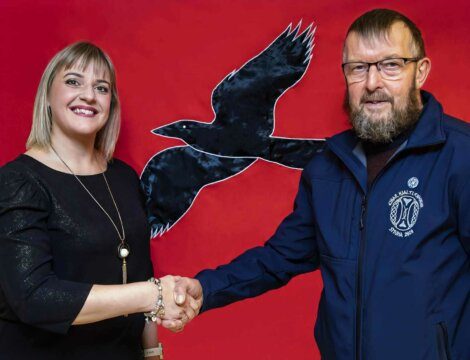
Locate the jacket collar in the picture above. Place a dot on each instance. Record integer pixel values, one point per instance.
(428, 131)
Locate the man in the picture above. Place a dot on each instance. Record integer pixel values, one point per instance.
(382, 212)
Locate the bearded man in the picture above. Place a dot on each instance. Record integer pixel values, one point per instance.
(382, 212)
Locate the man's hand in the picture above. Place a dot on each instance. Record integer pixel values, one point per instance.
(183, 299)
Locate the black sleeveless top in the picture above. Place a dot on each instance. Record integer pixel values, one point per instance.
(55, 243)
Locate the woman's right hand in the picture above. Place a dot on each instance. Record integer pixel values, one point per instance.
(182, 298)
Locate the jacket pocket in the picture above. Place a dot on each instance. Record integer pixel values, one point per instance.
(443, 350)
(335, 209)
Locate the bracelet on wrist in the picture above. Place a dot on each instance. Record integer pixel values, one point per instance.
(159, 310)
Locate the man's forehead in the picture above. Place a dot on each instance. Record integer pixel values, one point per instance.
(397, 40)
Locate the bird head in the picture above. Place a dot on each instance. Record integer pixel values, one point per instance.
(181, 129)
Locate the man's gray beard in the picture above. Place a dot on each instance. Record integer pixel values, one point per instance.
(386, 129)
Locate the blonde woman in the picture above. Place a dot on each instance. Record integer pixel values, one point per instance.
(74, 241)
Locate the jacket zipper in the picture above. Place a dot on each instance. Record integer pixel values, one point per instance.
(443, 338)
(359, 277)
(362, 245)
(362, 226)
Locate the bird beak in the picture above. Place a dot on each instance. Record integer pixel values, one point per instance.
(160, 131)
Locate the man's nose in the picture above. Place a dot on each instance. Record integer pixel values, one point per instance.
(374, 79)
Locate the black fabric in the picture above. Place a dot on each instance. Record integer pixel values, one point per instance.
(55, 242)
(241, 132)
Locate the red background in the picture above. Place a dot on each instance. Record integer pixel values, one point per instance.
(169, 56)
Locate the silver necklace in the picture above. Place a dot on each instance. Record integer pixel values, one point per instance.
(123, 249)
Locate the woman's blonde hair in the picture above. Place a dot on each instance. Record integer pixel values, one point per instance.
(80, 54)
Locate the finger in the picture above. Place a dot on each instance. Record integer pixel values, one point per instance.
(179, 326)
(194, 288)
(173, 313)
(194, 305)
(191, 309)
(167, 323)
(173, 325)
(176, 330)
(189, 314)
(185, 318)
(179, 293)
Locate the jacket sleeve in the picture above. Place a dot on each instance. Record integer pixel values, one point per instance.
(30, 291)
(290, 251)
(463, 212)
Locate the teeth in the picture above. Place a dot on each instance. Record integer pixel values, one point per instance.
(83, 111)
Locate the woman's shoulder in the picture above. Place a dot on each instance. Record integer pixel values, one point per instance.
(15, 169)
(122, 167)
(19, 181)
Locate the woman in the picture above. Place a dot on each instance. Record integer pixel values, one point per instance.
(74, 241)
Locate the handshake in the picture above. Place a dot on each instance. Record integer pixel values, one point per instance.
(182, 298)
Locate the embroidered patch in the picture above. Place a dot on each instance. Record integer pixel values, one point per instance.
(404, 211)
(413, 182)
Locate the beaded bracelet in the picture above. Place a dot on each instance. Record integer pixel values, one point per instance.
(159, 310)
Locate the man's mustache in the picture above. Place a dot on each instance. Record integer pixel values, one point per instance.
(376, 96)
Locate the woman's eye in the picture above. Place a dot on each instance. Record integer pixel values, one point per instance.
(72, 82)
(102, 89)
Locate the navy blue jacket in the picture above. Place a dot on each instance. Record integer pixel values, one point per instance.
(394, 258)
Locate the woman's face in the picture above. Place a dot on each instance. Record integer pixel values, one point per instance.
(80, 102)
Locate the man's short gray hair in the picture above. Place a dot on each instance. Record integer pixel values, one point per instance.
(379, 21)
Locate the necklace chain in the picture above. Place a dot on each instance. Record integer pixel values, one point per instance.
(121, 237)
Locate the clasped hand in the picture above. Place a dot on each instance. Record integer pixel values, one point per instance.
(182, 297)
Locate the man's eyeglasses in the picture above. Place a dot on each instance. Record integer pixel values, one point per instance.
(390, 69)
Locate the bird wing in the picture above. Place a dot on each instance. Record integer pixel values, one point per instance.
(173, 178)
(293, 153)
(250, 93)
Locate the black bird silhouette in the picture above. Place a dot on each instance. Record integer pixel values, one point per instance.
(241, 132)
(173, 178)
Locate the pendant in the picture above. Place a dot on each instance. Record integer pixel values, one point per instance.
(123, 250)
(124, 271)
